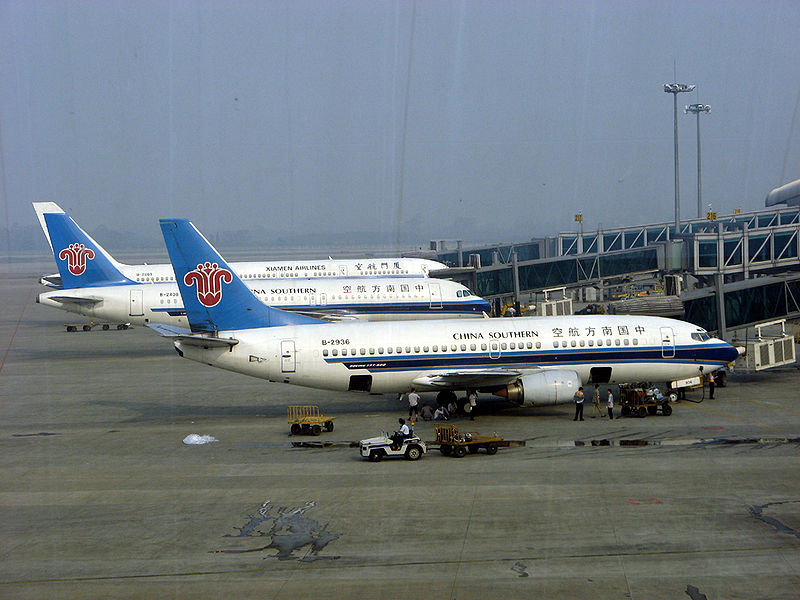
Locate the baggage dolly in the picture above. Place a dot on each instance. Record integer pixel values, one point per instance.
(454, 443)
(636, 402)
(308, 419)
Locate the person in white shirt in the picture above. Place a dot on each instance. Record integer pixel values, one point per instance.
(473, 403)
(610, 404)
(440, 414)
(401, 434)
(413, 403)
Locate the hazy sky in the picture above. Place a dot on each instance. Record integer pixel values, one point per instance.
(483, 120)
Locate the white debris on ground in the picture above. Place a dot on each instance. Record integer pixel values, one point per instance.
(194, 439)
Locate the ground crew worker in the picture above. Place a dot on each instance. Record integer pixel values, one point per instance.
(598, 412)
(610, 405)
(578, 404)
(401, 434)
(711, 384)
(413, 403)
(473, 404)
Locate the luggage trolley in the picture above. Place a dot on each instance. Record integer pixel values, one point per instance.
(308, 419)
(454, 443)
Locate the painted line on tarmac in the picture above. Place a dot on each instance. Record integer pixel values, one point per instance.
(11, 341)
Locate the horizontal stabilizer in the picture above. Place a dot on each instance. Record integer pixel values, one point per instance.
(87, 300)
(184, 336)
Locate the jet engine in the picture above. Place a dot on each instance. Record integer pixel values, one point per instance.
(556, 386)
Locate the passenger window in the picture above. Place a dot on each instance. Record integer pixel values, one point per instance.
(483, 347)
(416, 349)
(513, 346)
(635, 341)
(335, 352)
(538, 345)
(555, 344)
(582, 343)
(503, 346)
(572, 343)
(362, 351)
(627, 342)
(564, 344)
(435, 347)
(472, 347)
(380, 350)
(463, 347)
(591, 342)
(616, 342)
(372, 350)
(425, 348)
(408, 349)
(389, 350)
(324, 353)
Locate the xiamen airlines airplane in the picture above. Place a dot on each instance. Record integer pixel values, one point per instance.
(95, 287)
(539, 360)
(367, 267)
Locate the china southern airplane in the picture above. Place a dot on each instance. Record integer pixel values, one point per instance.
(539, 360)
(93, 286)
(367, 267)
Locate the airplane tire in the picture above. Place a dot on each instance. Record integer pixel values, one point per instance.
(460, 451)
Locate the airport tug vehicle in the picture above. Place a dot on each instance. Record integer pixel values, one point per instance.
(377, 448)
(308, 419)
(452, 442)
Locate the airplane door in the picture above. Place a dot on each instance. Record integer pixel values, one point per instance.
(323, 300)
(288, 361)
(667, 342)
(136, 303)
(312, 300)
(494, 350)
(436, 295)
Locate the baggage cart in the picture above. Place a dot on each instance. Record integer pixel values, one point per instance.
(308, 419)
(452, 442)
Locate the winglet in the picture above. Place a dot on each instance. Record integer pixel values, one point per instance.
(214, 297)
(81, 261)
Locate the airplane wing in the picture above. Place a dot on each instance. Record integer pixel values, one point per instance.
(471, 378)
(87, 300)
(185, 336)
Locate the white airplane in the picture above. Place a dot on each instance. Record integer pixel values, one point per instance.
(539, 360)
(366, 267)
(101, 291)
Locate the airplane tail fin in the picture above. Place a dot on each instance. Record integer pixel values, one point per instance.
(81, 261)
(214, 297)
(40, 208)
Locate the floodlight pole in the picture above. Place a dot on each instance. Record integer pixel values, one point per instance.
(697, 109)
(675, 89)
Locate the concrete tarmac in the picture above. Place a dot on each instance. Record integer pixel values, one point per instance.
(100, 497)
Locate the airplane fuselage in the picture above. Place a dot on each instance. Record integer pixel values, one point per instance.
(377, 298)
(393, 357)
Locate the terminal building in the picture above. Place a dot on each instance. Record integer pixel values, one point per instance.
(724, 273)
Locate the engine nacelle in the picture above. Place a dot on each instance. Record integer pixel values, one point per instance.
(556, 386)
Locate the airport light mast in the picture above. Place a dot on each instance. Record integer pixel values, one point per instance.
(675, 89)
(697, 109)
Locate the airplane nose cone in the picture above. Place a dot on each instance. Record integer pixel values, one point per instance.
(729, 353)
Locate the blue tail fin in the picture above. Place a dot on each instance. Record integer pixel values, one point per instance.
(81, 261)
(214, 297)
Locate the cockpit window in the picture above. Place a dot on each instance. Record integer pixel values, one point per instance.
(701, 336)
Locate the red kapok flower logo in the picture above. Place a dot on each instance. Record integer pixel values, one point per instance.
(76, 256)
(208, 277)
